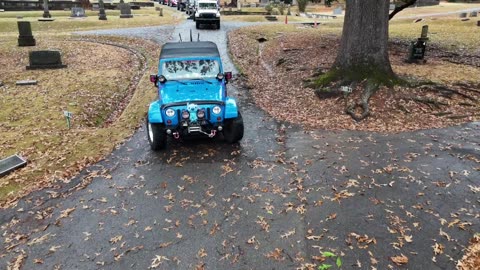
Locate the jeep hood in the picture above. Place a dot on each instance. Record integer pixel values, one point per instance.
(191, 91)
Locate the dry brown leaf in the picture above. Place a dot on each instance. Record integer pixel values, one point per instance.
(400, 259)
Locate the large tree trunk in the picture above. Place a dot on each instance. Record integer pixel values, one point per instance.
(364, 44)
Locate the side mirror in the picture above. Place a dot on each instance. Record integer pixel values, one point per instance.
(154, 79)
(228, 76)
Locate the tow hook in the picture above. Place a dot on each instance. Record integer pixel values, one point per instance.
(213, 132)
(176, 135)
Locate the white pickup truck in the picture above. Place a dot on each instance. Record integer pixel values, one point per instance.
(207, 12)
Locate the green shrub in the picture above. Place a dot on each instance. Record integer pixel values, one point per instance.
(302, 5)
(281, 8)
(269, 8)
(275, 11)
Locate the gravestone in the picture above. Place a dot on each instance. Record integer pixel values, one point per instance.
(45, 60)
(125, 10)
(338, 11)
(417, 49)
(474, 14)
(11, 163)
(478, 23)
(77, 12)
(463, 15)
(26, 82)
(46, 13)
(25, 37)
(424, 35)
(161, 12)
(2, 10)
(101, 14)
(271, 18)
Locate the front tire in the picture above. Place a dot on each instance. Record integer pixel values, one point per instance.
(233, 131)
(156, 136)
(197, 25)
(218, 25)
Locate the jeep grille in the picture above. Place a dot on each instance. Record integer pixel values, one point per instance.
(207, 15)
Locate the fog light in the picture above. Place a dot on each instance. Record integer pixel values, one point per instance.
(185, 115)
(200, 113)
(169, 131)
(220, 128)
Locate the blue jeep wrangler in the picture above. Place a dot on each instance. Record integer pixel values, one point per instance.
(192, 96)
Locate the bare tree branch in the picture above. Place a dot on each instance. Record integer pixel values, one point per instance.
(406, 4)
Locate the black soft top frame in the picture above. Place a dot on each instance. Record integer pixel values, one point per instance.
(189, 49)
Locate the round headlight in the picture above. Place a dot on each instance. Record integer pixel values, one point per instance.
(217, 110)
(200, 113)
(170, 112)
(185, 114)
(220, 76)
(162, 79)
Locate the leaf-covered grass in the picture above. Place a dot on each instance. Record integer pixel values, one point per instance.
(450, 33)
(293, 55)
(63, 22)
(93, 89)
(261, 18)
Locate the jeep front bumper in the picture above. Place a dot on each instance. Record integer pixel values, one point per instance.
(207, 20)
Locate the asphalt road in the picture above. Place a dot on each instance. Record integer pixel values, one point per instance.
(275, 201)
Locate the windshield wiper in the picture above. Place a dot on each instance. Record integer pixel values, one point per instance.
(173, 80)
(202, 79)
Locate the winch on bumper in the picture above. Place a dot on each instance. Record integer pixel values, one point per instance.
(194, 119)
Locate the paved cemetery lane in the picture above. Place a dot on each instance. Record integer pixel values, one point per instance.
(275, 201)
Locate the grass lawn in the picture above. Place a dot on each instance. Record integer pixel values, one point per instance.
(294, 53)
(64, 24)
(99, 93)
(93, 89)
(98, 87)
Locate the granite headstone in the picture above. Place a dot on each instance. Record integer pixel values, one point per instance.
(77, 12)
(49, 59)
(125, 10)
(101, 13)
(25, 37)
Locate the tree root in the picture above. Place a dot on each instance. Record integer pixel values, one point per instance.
(428, 101)
(370, 89)
(442, 113)
(447, 92)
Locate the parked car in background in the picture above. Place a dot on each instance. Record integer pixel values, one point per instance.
(181, 5)
(207, 12)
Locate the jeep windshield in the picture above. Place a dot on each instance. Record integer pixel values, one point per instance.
(190, 69)
(207, 6)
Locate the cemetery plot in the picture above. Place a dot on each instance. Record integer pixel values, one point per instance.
(94, 89)
(292, 56)
(79, 19)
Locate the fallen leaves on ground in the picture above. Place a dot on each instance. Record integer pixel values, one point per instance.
(293, 54)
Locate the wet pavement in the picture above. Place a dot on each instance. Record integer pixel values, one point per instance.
(277, 200)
